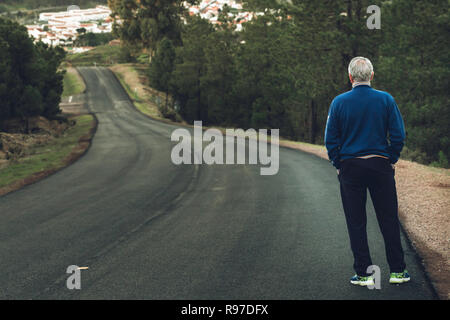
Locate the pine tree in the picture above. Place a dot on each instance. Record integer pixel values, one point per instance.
(143, 23)
(161, 67)
(414, 69)
(190, 68)
(30, 83)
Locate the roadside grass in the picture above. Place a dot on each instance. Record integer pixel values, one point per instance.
(101, 55)
(145, 99)
(51, 156)
(73, 83)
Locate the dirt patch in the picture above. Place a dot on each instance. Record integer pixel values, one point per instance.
(14, 140)
(14, 144)
(36, 125)
(73, 108)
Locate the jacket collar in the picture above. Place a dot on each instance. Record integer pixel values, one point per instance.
(361, 84)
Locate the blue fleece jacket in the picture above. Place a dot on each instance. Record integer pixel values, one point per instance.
(364, 121)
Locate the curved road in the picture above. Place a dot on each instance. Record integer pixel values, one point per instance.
(148, 229)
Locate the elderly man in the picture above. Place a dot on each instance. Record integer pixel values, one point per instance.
(364, 136)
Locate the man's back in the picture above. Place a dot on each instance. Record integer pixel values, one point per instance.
(359, 122)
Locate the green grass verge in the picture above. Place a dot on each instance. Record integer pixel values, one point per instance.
(49, 156)
(137, 100)
(73, 83)
(101, 55)
(133, 95)
(146, 104)
(140, 103)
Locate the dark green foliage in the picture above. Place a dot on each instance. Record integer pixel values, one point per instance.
(190, 68)
(161, 66)
(30, 83)
(93, 39)
(414, 67)
(219, 73)
(161, 69)
(50, 80)
(146, 22)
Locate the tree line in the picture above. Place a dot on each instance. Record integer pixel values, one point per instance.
(30, 82)
(283, 70)
(91, 39)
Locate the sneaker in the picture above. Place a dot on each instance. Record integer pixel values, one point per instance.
(399, 277)
(362, 281)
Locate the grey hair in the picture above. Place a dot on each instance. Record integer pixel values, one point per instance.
(361, 69)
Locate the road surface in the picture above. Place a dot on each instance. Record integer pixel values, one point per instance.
(148, 229)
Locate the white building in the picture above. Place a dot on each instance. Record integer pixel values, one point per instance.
(95, 14)
(62, 26)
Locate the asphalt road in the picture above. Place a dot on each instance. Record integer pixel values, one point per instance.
(148, 229)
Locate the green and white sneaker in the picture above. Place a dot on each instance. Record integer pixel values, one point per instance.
(362, 281)
(399, 277)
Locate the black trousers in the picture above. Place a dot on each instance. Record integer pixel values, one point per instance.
(376, 174)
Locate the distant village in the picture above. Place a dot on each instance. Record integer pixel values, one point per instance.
(62, 28)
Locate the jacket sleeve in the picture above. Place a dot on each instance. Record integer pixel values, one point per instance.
(332, 136)
(396, 129)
